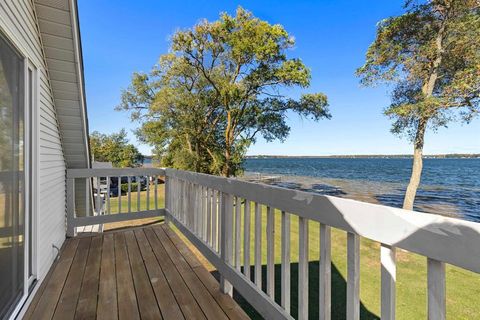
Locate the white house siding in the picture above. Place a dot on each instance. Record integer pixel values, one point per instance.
(18, 21)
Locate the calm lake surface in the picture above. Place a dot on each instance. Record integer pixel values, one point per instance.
(449, 186)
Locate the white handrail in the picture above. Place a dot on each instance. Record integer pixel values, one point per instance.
(440, 239)
(102, 209)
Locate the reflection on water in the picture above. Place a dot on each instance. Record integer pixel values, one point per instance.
(449, 187)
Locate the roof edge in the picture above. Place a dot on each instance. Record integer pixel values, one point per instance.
(81, 78)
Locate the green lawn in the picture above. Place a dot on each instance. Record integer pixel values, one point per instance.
(143, 200)
(463, 287)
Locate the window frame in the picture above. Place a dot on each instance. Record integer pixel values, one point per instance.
(31, 165)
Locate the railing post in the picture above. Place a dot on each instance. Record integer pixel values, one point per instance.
(388, 279)
(226, 238)
(436, 289)
(70, 207)
(353, 276)
(167, 199)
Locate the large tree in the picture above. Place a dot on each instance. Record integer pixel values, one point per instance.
(222, 84)
(431, 54)
(115, 148)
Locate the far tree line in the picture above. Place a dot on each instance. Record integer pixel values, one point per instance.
(223, 84)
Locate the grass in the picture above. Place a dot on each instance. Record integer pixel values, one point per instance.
(463, 287)
(143, 200)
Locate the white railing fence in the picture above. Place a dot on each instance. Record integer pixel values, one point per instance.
(214, 213)
(112, 195)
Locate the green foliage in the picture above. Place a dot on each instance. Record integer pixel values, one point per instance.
(431, 54)
(115, 148)
(221, 86)
(133, 187)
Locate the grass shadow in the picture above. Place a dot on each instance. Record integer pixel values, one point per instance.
(339, 293)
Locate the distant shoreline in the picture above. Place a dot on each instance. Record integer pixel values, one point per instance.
(374, 156)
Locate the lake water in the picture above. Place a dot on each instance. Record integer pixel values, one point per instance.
(449, 186)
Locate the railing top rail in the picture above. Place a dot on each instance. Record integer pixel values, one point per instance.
(441, 238)
(114, 172)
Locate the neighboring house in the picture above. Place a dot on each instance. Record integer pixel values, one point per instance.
(43, 131)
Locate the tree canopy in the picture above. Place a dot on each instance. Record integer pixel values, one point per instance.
(220, 87)
(431, 55)
(115, 148)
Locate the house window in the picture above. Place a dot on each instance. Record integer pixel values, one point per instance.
(12, 177)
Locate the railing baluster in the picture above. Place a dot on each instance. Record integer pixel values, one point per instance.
(129, 194)
(205, 215)
(98, 197)
(302, 268)
(388, 279)
(156, 192)
(189, 206)
(119, 194)
(238, 227)
(353, 276)
(200, 211)
(214, 220)
(139, 190)
(226, 236)
(87, 197)
(285, 297)
(108, 195)
(168, 185)
(271, 252)
(436, 289)
(197, 209)
(325, 273)
(246, 240)
(148, 192)
(70, 207)
(258, 245)
(209, 216)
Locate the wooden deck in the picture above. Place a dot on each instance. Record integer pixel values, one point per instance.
(141, 273)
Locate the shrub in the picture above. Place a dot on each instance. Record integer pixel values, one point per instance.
(134, 186)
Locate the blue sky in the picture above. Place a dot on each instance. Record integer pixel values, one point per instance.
(123, 36)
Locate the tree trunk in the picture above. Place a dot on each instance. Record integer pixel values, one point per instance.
(416, 168)
(226, 166)
(427, 89)
(228, 147)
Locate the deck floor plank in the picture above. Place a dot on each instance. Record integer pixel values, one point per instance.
(141, 273)
(209, 306)
(47, 303)
(147, 304)
(184, 297)
(69, 298)
(127, 300)
(87, 302)
(164, 295)
(229, 306)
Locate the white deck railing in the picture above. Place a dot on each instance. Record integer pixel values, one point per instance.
(214, 213)
(98, 208)
(209, 210)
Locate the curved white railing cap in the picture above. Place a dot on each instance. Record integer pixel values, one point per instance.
(445, 239)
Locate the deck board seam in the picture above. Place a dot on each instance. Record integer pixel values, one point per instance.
(197, 268)
(163, 273)
(68, 274)
(131, 274)
(173, 264)
(63, 283)
(172, 245)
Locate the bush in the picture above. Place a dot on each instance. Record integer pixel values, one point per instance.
(134, 186)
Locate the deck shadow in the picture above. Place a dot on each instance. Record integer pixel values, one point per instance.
(339, 293)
